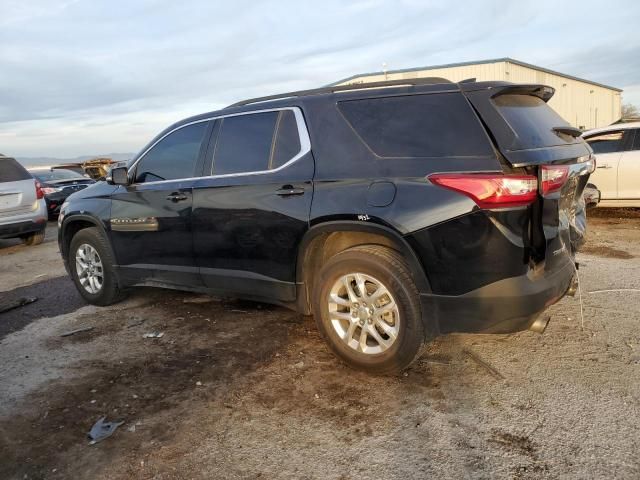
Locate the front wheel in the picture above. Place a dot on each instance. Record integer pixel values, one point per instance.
(367, 308)
(92, 268)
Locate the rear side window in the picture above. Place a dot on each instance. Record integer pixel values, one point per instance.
(609, 142)
(12, 171)
(438, 125)
(532, 120)
(244, 143)
(256, 142)
(286, 144)
(174, 157)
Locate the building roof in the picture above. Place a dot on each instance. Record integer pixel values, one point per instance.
(479, 62)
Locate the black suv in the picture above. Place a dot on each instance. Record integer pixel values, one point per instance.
(392, 212)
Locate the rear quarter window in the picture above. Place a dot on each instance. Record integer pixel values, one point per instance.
(436, 125)
(12, 171)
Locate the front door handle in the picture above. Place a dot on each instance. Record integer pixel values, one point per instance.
(176, 197)
(288, 190)
(604, 166)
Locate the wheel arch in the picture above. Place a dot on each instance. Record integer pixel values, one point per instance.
(326, 239)
(71, 225)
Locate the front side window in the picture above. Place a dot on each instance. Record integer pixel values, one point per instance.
(174, 157)
(607, 142)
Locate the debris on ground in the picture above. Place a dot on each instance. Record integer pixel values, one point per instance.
(135, 322)
(153, 335)
(482, 363)
(102, 430)
(200, 299)
(20, 302)
(77, 330)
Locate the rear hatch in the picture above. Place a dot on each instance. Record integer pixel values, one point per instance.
(532, 138)
(17, 189)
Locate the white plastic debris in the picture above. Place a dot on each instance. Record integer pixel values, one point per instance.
(153, 335)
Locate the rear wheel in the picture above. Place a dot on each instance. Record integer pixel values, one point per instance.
(367, 308)
(34, 238)
(92, 268)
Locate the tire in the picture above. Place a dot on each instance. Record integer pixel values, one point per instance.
(34, 239)
(109, 291)
(378, 267)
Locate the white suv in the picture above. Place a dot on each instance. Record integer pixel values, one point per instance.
(23, 212)
(617, 175)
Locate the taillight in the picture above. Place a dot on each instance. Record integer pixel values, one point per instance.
(39, 192)
(553, 177)
(491, 190)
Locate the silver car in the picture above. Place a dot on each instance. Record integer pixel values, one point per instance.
(23, 212)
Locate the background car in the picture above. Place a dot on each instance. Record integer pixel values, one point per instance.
(23, 213)
(617, 175)
(58, 184)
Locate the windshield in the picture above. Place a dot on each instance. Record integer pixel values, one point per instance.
(56, 174)
(533, 121)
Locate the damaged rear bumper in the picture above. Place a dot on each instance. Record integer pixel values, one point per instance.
(505, 306)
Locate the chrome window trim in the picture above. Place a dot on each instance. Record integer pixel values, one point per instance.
(303, 134)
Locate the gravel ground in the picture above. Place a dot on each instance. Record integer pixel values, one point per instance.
(243, 390)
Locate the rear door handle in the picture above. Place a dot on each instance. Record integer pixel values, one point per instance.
(288, 190)
(176, 197)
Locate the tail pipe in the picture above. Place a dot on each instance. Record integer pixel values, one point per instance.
(573, 286)
(540, 324)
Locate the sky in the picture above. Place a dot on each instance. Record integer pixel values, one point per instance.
(82, 77)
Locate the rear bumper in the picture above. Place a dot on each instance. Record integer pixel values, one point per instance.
(22, 228)
(505, 306)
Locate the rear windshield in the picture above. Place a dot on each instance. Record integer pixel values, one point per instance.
(437, 125)
(57, 174)
(532, 120)
(12, 171)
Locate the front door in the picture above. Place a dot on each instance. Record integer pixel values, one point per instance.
(608, 147)
(629, 171)
(151, 218)
(250, 215)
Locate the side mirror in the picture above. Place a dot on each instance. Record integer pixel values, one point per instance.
(119, 176)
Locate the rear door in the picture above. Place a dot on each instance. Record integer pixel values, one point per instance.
(608, 148)
(17, 189)
(151, 218)
(252, 210)
(629, 170)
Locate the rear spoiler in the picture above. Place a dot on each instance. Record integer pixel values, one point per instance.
(543, 92)
(497, 89)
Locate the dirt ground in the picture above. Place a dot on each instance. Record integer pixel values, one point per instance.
(243, 390)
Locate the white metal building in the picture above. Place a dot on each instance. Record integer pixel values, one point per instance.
(583, 103)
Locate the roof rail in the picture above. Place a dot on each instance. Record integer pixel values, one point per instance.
(344, 88)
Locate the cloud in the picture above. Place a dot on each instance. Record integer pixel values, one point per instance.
(78, 76)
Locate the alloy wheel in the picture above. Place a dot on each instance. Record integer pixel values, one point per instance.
(363, 313)
(89, 268)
